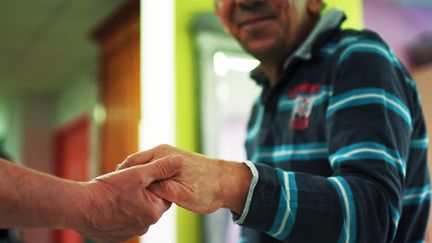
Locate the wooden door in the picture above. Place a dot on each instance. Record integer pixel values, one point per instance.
(119, 81)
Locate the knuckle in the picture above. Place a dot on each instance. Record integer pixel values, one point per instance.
(130, 160)
(163, 147)
(159, 169)
(164, 186)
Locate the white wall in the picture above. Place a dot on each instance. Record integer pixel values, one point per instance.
(75, 100)
(36, 116)
(38, 112)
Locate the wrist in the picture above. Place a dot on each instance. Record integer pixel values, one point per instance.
(76, 204)
(235, 185)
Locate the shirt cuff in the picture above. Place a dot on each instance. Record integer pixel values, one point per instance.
(255, 177)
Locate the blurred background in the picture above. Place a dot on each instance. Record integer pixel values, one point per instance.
(84, 83)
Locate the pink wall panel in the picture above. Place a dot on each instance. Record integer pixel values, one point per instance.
(398, 25)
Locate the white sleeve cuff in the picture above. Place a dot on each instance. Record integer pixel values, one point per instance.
(255, 177)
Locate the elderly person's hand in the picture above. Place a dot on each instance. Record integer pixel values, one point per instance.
(203, 184)
(118, 205)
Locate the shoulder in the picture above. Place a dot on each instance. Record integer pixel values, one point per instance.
(345, 42)
(353, 44)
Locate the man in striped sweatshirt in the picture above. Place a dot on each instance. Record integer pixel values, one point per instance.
(336, 141)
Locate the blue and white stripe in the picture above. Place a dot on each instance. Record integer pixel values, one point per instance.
(371, 47)
(368, 151)
(379, 49)
(395, 213)
(331, 48)
(411, 83)
(417, 195)
(255, 128)
(421, 143)
(367, 96)
(285, 103)
(290, 152)
(287, 207)
(348, 232)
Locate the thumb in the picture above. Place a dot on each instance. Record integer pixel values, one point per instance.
(162, 168)
(139, 158)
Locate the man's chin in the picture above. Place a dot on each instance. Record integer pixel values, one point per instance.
(262, 50)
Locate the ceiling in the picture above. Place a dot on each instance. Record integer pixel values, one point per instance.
(46, 43)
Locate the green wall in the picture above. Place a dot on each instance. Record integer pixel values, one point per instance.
(3, 113)
(189, 224)
(11, 123)
(353, 9)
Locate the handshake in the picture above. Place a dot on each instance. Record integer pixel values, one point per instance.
(126, 202)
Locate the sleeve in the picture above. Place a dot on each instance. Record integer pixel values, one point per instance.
(368, 129)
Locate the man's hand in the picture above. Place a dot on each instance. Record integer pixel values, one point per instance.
(203, 185)
(119, 206)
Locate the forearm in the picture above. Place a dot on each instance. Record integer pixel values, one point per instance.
(287, 204)
(33, 199)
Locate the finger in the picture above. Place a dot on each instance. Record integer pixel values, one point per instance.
(153, 208)
(167, 190)
(143, 231)
(161, 169)
(171, 190)
(164, 204)
(139, 158)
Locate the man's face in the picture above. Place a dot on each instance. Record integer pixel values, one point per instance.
(264, 27)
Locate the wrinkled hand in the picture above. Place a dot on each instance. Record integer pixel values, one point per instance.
(120, 206)
(203, 185)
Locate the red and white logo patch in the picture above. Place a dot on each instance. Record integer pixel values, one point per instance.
(301, 112)
(303, 105)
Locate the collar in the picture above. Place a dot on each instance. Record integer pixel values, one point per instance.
(331, 19)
